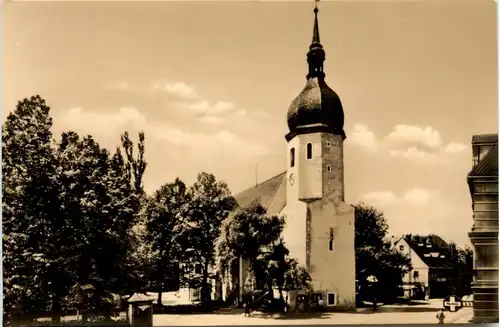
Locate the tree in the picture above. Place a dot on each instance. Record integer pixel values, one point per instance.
(210, 203)
(37, 265)
(249, 233)
(163, 215)
(462, 267)
(375, 255)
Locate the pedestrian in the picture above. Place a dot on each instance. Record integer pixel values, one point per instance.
(374, 303)
(440, 316)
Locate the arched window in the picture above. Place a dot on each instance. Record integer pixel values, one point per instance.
(309, 150)
(292, 157)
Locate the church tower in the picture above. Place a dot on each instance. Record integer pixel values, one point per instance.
(319, 228)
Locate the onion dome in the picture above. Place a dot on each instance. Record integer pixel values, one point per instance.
(317, 108)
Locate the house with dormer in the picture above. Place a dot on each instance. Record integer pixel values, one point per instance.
(431, 272)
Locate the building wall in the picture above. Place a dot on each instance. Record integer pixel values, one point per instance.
(484, 237)
(417, 263)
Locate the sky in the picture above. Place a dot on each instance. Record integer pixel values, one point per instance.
(210, 84)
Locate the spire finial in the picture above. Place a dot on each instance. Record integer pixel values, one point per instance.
(316, 54)
(316, 28)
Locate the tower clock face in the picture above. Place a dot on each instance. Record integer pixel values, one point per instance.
(291, 179)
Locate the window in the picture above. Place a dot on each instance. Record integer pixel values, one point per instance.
(331, 299)
(485, 187)
(328, 144)
(415, 274)
(330, 240)
(197, 269)
(292, 157)
(309, 150)
(401, 248)
(475, 155)
(479, 152)
(329, 168)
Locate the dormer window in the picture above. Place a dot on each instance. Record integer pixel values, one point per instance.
(309, 150)
(292, 157)
(479, 152)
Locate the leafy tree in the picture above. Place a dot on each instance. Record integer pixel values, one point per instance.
(68, 209)
(254, 236)
(37, 265)
(210, 203)
(461, 260)
(375, 255)
(163, 215)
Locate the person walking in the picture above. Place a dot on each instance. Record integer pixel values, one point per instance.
(440, 316)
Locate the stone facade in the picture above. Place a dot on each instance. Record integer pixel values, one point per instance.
(483, 183)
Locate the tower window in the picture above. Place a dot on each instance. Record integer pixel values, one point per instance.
(329, 168)
(330, 241)
(292, 157)
(309, 150)
(328, 144)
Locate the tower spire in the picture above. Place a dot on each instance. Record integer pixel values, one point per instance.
(316, 54)
(316, 28)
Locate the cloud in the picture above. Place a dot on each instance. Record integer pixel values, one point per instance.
(203, 107)
(380, 197)
(104, 125)
(179, 89)
(363, 137)
(416, 197)
(455, 147)
(414, 143)
(408, 134)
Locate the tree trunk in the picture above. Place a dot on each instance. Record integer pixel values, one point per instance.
(159, 297)
(56, 311)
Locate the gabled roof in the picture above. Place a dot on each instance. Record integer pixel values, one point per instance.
(271, 194)
(140, 297)
(425, 245)
(488, 166)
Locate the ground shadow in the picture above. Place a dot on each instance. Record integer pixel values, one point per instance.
(292, 316)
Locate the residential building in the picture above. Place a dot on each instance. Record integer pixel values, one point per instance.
(483, 187)
(431, 273)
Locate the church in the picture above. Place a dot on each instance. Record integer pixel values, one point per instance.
(319, 229)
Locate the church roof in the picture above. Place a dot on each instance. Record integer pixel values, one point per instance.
(488, 166)
(271, 194)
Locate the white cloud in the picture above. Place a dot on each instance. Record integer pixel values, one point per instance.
(179, 89)
(380, 197)
(203, 107)
(454, 148)
(417, 197)
(414, 143)
(110, 125)
(408, 134)
(363, 137)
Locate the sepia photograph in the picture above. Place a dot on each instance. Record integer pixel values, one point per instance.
(237, 163)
